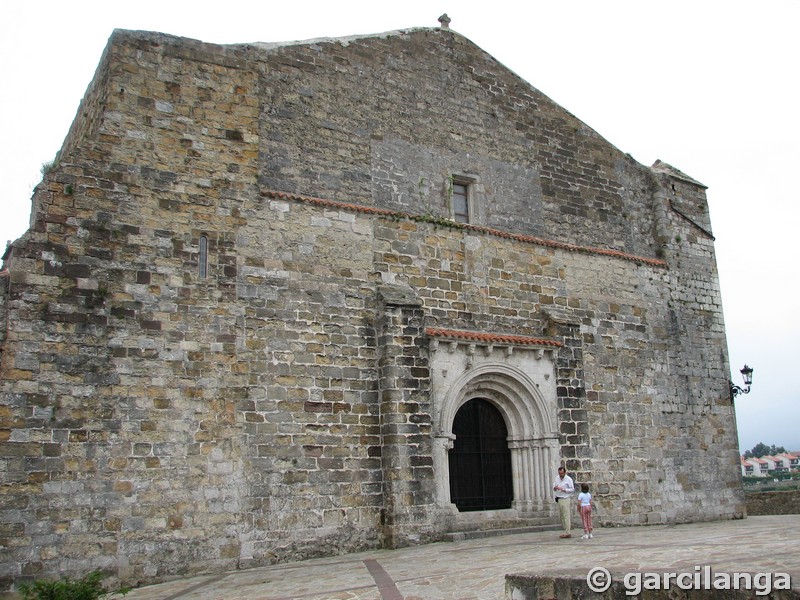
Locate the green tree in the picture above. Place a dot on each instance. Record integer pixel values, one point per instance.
(761, 449)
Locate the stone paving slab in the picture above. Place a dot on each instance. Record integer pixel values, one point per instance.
(476, 569)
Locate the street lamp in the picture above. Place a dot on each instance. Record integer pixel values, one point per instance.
(747, 376)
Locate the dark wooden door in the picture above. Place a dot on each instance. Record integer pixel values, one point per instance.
(480, 461)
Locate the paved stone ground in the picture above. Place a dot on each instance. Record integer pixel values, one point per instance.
(475, 569)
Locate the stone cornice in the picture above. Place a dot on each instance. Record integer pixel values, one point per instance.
(488, 341)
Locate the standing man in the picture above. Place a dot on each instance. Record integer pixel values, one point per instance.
(563, 489)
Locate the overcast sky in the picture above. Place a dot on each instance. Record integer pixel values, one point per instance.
(708, 87)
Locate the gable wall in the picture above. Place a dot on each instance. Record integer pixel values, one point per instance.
(386, 121)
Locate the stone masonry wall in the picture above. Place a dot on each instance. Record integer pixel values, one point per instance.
(634, 431)
(777, 502)
(430, 104)
(122, 395)
(160, 418)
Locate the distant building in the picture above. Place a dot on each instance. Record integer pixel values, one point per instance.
(775, 465)
(770, 465)
(790, 459)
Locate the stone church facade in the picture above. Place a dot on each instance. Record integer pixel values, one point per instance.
(289, 300)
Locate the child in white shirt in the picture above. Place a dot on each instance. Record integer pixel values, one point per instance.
(585, 511)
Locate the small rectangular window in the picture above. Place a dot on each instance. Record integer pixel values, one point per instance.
(202, 260)
(460, 202)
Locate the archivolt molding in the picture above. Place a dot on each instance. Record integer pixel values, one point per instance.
(511, 390)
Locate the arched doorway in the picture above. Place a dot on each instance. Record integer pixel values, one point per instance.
(527, 414)
(480, 460)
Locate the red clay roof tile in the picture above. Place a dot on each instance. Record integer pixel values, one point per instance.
(490, 338)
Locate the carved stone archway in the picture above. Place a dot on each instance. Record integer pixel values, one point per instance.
(517, 379)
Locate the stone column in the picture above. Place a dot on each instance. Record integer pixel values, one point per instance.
(405, 420)
(573, 423)
(518, 474)
(442, 444)
(538, 483)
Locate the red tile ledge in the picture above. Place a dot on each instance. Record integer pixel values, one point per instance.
(489, 338)
(527, 239)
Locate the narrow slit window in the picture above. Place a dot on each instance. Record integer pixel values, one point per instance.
(461, 203)
(203, 257)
